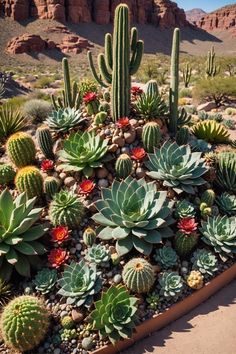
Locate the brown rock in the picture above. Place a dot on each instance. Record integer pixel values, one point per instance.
(73, 44)
(77, 316)
(27, 43)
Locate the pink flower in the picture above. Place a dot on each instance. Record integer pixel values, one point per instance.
(60, 234)
(123, 122)
(136, 91)
(86, 187)
(57, 257)
(187, 225)
(47, 165)
(138, 153)
(89, 97)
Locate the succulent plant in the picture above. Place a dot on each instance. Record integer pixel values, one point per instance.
(208, 197)
(66, 209)
(18, 235)
(29, 180)
(24, 323)
(226, 171)
(151, 106)
(195, 280)
(153, 300)
(97, 254)
(45, 280)
(115, 314)
(79, 282)
(67, 334)
(171, 284)
(182, 136)
(152, 87)
(138, 275)
(67, 322)
(184, 244)
(211, 131)
(51, 186)
(7, 173)
(64, 119)
(220, 233)
(45, 141)
(204, 261)
(229, 124)
(89, 236)
(177, 167)
(200, 145)
(100, 117)
(151, 136)
(166, 257)
(83, 152)
(123, 166)
(184, 209)
(21, 149)
(5, 292)
(227, 204)
(135, 214)
(11, 121)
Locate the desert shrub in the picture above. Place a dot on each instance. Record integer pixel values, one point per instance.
(44, 82)
(185, 92)
(230, 111)
(37, 109)
(16, 102)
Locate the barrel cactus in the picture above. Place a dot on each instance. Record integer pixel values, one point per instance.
(138, 275)
(45, 280)
(45, 141)
(21, 149)
(171, 284)
(227, 204)
(123, 166)
(204, 261)
(51, 186)
(152, 87)
(166, 257)
(29, 179)
(7, 173)
(184, 244)
(97, 254)
(67, 322)
(195, 280)
(100, 118)
(89, 236)
(208, 197)
(184, 209)
(151, 136)
(24, 323)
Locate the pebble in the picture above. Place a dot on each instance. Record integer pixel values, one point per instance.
(140, 172)
(125, 150)
(77, 316)
(69, 181)
(117, 278)
(119, 141)
(72, 250)
(57, 351)
(130, 136)
(63, 314)
(103, 183)
(133, 122)
(102, 172)
(87, 343)
(113, 148)
(62, 175)
(78, 246)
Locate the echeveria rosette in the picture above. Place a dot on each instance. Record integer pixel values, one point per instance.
(220, 233)
(115, 314)
(97, 254)
(79, 282)
(45, 280)
(171, 284)
(184, 209)
(83, 151)
(166, 257)
(177, 166)
(64, 119)
(134, 214)
(227, 204)
(204, 261)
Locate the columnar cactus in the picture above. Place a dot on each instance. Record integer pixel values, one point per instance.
(151, 136)
(24, 323)
(51, 186)
(187, 73)
(208, 197)
(182, 136)
(184, 244)
(21, 149)
(152, 88)
(123, 166)
(7, 173)
(121, 60)
(89, 236)
(211, 68)
(45, 142)
(29, 179)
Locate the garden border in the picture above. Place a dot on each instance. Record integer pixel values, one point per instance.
(170, 315)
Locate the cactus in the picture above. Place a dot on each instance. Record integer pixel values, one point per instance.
(89, 236)
(174, 85)
(138, 275)
(7, 173)
(21, 149)
(100, 118)
(152, 88)
(183, 117)
(45, 142)
(187, 73)
(104, 106)
(116, 67)
(24, 323)
(123, 166)
(29, 179)
(67, 322)
(107, 96)
(208, 197)
(184, 244)
(51, 186)
(182, 136)
(211, 69)
(195, 280)
(151, 136)
(70, 95)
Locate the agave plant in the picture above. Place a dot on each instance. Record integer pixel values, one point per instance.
(5, 292)
(45, 280)
(226, 171)
(177, 167)
(64, 119)
(151, 106)
(227, 204)
(211, 131)
(204, 261)
(115, 314)
(83, 152)
(97, 254)
(79, 283)
(18, 235)
(200, 145)
(11, 121)
(135, 214)
(171, 284)
(220, 233)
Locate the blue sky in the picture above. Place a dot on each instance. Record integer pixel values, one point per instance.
(209, 5)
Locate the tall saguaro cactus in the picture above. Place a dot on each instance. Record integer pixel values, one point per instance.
(174, 84)
(187, 73)
(211, 68)
(122, 58)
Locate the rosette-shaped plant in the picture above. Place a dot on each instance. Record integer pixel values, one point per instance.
(97, 254)
(64, 119)
(115, 314)
(211, 131)
(184, 209)
(18, 236)
(227, 204)
(177, 166)
(226, 171)
(135, 214)
(204, 261)
(171, 284)
(45, 280)
(166, 257)
(79, 283)
(220, 233)
(83, 152)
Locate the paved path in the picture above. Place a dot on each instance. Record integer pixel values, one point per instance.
(209, 329)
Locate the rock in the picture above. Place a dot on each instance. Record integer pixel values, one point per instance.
(73, 44)
(207, 107)
(69, 181)
(101, 172)
(112, 148)
(28, 43)
(117, 278)
(103, 183)
(57, 351)
(118, 140)
(77, 316)
(130, 136)
(140, 172)
(195, 15)
(87, 343)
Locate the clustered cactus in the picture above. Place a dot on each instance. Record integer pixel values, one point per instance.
(195, 280)
(45, 141)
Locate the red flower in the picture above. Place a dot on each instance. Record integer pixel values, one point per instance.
(187, 225)
(89, 97)
(123, 122)
(138, 153)
(60, 234)
(47, 165)
(86, 187)
(57, 257)
(136, 91)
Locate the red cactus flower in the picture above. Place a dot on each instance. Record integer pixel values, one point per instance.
(86, 187)
(138, 153)
(57, 257)
(187, 225)
(47, 165)
(123, 122)
(60, 234)
(136, 91)
(89, 97)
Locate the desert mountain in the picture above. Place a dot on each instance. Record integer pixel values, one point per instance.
(195, 15)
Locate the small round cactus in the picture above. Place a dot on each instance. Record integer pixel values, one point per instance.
(67, 322)
(151, 136)
(208, 197)
(104, 106)
(195, 280)
(51, 186)
(45, 142)
(152, 88)
(123, 166)
(7, 173)
(89, 236)
(100, 118)
(138, 275)
(29, 179)
(24, 323)
(184, 244)
(21, 149)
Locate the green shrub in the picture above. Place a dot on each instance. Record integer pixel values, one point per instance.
(11, 121)
(185, 92)
(44, 82)
(37, 109)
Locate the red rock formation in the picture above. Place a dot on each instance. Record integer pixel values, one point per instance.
(73, 44)
(28, 43)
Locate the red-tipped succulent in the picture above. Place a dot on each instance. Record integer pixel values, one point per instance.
(187, 225)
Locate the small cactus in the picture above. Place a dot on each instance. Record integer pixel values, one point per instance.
(123, 166)
(100, 118)
(182, 136)
(89, 236)
(21, 149)
(45, 142)
(195, 280)
(151, 136)
(7, 173)
(184, 244)
(67, 322)
(152, 88)
(51, 186)
(104, 106)
(208, 197)
(29, 179)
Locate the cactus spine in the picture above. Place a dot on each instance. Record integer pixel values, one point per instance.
(29, 179)
(7, 173)
(138, 275)
(151, 136)
(115, 66)
(89, 236)
(21, 149)
(123, 166)
(187, 74)
(174, 85)
(152, 88)
(208, 197)
(184, 244)
(45, 142)
(211, 69)
(51, 186)
(182, 136)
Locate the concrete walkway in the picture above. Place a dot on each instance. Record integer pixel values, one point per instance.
(209, 329)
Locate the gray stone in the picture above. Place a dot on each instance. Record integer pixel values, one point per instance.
(207, 107)
(69, 181)
(87, 343)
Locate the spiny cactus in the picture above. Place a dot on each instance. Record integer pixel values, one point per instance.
(29, 179)
(208, 197)
(100, 117)
(138, 275)
(184, 244)
(67, 322)
(21, 149)
(182, 136)
(123, 166)
(211, 68)
(187, 74)
(51, 186)
(151, 136)
(116, 67)
(89, 236)
(195, 280)
(152, 88)
(24, 323)
(7, 173)
(45, 142)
